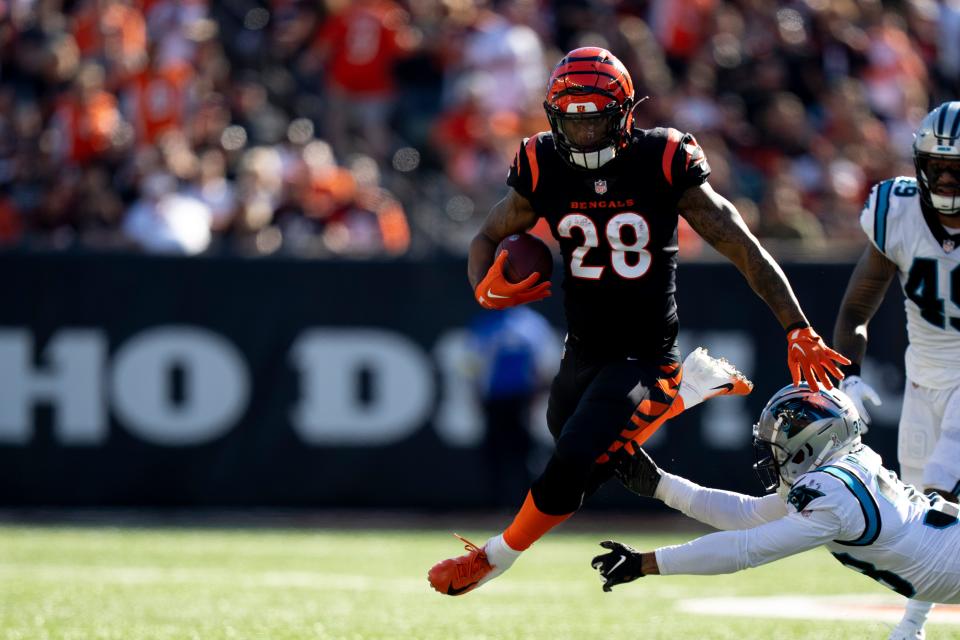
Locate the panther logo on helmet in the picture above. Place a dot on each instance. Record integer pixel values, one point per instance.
(936, 154)
(589, 106)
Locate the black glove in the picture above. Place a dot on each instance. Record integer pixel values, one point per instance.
(619, 566)
(639, 473)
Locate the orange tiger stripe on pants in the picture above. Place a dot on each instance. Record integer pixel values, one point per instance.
(650, 414)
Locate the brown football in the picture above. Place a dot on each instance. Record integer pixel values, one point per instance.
(526, 254)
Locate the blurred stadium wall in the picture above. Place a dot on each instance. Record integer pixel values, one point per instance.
(134, 380)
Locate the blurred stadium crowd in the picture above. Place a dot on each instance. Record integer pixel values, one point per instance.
(384, 128)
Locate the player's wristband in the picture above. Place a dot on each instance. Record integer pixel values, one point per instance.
(803, 324)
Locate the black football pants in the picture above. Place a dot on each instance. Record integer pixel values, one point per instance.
(592, 401)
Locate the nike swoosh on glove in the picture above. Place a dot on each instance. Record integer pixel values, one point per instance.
(810, 359)
(858, 390)
(496, 292)
(622, 564)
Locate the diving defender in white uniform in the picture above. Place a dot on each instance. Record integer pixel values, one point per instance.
(831, 490)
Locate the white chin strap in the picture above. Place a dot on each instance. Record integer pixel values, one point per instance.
(593, 159)
(947, 205)
(825, 453)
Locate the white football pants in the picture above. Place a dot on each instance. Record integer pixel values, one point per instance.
(929, 440)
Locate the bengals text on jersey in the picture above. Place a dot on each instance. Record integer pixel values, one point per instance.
(617, 230)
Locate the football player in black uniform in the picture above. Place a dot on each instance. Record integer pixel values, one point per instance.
(611, 194)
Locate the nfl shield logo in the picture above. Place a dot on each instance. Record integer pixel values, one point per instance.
(600, 186)
(948, 245)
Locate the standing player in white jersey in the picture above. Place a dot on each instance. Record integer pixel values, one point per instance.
(831, 490)
(914, 229)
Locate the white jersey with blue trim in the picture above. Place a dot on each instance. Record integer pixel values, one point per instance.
(888, 531)
(929, 272)
(862, 513)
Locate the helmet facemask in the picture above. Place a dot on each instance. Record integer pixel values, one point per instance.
(769, 457)
(586, 136)
(939, 180)
(936, 155)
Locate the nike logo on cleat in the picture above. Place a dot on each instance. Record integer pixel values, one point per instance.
(455, 592)
(728, 386)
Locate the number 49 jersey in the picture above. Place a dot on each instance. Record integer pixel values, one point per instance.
(928, 263)
(617, 230)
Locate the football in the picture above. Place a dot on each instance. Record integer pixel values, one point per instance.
(526, 254)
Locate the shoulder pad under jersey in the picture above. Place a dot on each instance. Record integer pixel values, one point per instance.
(853, 501)
(524, 176)
(683, 162)
(888, 208)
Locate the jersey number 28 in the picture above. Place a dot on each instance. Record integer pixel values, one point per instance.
(625, 267)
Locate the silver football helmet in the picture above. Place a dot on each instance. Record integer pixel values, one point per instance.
(799, 429)
(936, 154)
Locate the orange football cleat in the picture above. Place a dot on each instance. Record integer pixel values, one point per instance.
(460, 575)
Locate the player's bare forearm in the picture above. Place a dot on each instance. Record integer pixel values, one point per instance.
(482, 248)
(513, 214)
(719, 223)
(649, 564)
(769, 282)
(868, 284)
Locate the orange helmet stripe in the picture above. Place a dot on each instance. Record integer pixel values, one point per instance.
(596, 62)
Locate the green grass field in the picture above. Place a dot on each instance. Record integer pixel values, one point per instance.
(155, 583)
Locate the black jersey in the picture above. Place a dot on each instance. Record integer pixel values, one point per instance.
(617, 229)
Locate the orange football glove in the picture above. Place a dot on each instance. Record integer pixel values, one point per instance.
(496, 292)
(809, 356)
